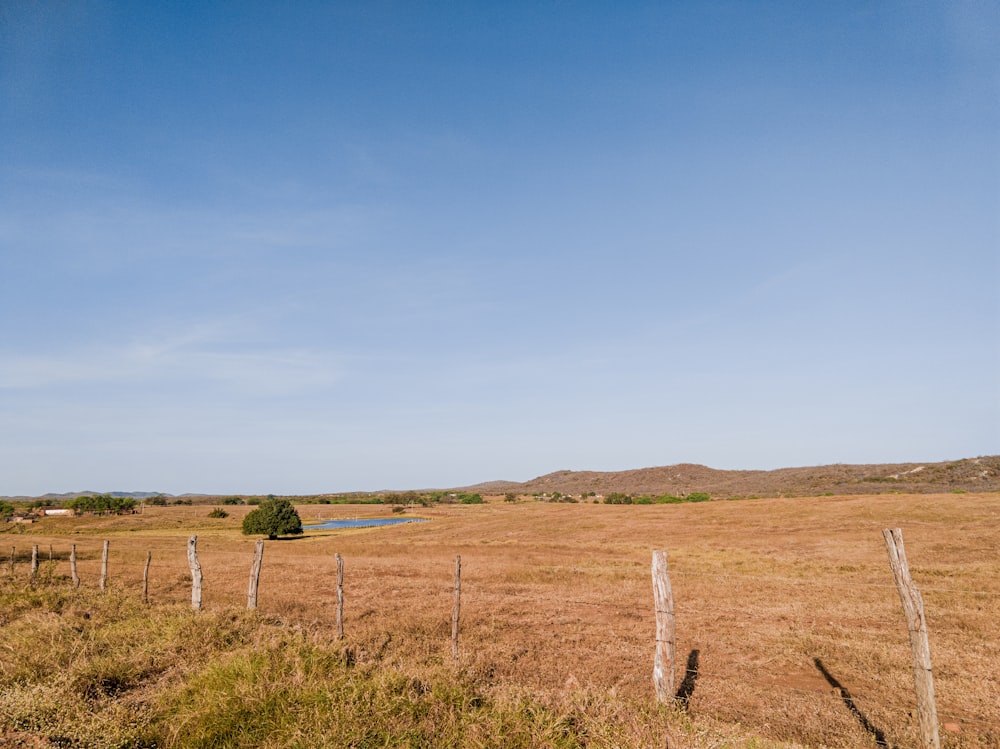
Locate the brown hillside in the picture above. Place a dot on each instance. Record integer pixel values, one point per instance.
(971, 474)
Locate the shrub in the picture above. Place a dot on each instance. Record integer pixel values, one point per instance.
(218, 512)
(274, 517)
(101, 504)
(233, 501)
(668, 499)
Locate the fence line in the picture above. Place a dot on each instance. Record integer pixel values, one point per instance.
(913, 608)
(799, 581)
(196, 576)
(258, 558)
(620, 606)
(104, 566)
(340, 596)
(456, 606)
(676, 574)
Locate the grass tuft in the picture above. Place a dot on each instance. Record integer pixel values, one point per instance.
(85, 669)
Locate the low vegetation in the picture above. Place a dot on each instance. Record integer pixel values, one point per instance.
(787, 619)
(101, 504)
(274, 517)
(619, 498)
(84, 669)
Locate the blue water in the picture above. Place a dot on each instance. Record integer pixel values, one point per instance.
(360, 523)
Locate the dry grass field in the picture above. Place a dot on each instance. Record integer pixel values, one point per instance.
(786, 609)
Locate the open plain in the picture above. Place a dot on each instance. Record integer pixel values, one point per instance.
(787, 616)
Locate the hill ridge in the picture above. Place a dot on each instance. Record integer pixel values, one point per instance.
(968, 474)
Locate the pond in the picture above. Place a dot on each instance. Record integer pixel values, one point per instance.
(360, 523)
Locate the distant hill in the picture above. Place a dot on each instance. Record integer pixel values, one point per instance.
(971, 474)
(980, 474)
(89, 493)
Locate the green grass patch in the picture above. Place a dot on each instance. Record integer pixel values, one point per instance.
(86, 669)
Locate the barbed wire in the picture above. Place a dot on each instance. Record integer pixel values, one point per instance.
(85, 558)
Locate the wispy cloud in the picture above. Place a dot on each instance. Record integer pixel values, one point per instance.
(189, 357)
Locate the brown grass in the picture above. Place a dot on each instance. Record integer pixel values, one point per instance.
(557, 599)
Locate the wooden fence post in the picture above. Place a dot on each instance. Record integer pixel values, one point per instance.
(258, 558)
(34, 563)
(195, 565)
(913, 608)
(664, 661)
(50, 552)
(145, 577)
(104, 566)
(456, 606)
(340, 597)
(72, 567)
(13, 549)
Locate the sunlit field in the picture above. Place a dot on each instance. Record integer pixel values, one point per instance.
(787, 619)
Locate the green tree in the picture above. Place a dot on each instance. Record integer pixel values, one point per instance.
(6, 509)
(618, 498)
(101, 504)
(273, 517)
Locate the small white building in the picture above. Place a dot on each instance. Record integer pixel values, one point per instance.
(58, 511)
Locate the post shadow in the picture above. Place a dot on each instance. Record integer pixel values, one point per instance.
(686, 689)
(849, 702)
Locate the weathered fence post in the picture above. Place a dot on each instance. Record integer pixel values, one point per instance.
(104, 566)
(456, 606)
(72, 567)
(50, 552)
(195, 565)
(913, 608)
(13, 549)
(340, 597)
(34, 563)
(664, 666)
(258, 558)
(145, 577)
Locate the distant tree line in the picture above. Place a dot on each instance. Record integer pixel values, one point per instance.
(619, 498)
(425, 499)
(101, 504)
(161, 501)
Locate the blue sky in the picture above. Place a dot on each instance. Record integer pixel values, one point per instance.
(305, 247)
